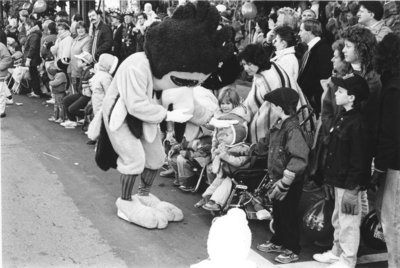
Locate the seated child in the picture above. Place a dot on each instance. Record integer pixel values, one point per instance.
(347, 169)
(216, 195)
(76, 102)
(58, 85)
(197, 150)
(287, 159)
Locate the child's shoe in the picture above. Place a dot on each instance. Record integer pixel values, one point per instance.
(69, 124)
(270, 247)
(9, 101)
(52, 119)
(326, 257)
(186, 188)
(201, 203)
(287, 257)
(59, 121)
(51, 101)
(212, 206)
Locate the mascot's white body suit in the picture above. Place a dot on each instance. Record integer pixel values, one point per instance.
(180, 53)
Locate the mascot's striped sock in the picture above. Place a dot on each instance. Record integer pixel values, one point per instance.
(146, 182)
(127, 182)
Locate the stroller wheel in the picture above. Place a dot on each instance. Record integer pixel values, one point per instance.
(271, 226)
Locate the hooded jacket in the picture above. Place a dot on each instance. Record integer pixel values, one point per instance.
(100, 82)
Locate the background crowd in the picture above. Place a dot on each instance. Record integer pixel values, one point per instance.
(312, 47)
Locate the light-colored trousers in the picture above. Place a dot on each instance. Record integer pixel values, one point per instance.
(219, 190)
(346, 237)
(389, 193)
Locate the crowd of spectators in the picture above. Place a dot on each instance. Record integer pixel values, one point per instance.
(308, 47)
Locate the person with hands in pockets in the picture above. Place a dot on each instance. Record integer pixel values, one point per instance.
(347, 170)
(287, 159)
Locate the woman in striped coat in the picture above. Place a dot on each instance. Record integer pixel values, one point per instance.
(268, 76)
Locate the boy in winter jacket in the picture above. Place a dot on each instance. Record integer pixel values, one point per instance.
(58, 85)
(347, 169)
(100, 82)
(287, 159)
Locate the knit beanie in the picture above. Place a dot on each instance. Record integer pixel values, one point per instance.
(51, 69)
(239, 130)
(284, 97)
(188, 42)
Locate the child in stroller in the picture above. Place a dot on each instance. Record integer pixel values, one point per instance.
(223, 163)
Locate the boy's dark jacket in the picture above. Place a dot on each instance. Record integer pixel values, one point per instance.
(348, 152)
(286, 147)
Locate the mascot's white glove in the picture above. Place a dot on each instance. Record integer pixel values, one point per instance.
(179, 115)
(281, 187)
(222, 123)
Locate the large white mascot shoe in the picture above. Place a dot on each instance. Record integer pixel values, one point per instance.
(172, 212)
(136, 212)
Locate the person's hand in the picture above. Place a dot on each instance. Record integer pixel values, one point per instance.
(170, 137)
(329, 192)
(377, 177)
(281, 187)
(28, 62)
(222, 123)
(178, 115)
(279, 190)
(350, 202)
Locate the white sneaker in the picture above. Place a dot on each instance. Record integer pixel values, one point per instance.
(70, 124)
(326, 257)
(51, 101)
(65, 122)
(33, 95)
(9, 101)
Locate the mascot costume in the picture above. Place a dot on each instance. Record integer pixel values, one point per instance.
(179, 54)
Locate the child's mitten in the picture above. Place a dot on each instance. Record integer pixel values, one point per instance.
(281, 187)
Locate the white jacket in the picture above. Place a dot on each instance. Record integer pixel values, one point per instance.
(287, 60)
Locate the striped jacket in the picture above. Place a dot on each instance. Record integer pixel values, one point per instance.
(258, 112)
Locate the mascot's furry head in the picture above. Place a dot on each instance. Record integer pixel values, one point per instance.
(183, 51)
(186, 49)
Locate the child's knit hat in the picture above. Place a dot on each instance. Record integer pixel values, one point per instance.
(239, 130)
(52, 69)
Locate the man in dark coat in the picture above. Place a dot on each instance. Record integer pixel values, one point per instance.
(128, 36)
(116, 22)
(102, 35)
(32, 54)
(316, 62)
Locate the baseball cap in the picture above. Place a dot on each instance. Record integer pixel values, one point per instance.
(354, 84)
(85, 56)
(284, 97)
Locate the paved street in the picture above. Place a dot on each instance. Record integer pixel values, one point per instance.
(58, 208)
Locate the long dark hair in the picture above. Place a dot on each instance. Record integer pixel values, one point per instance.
(255, 54)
